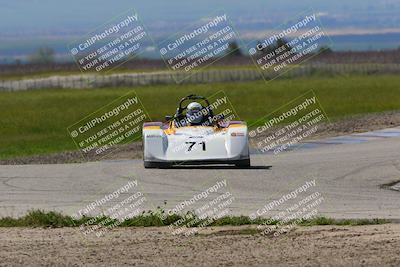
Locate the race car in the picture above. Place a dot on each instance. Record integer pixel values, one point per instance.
(193, 136)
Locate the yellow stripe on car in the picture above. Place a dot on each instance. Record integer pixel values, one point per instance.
(151, 127)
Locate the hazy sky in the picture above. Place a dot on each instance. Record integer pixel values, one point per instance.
(28, 24)
(25, 16)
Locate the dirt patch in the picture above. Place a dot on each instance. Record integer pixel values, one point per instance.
(360, 124)
(373, 245)
(348, 125)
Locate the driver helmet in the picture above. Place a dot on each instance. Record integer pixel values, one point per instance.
(194, 114)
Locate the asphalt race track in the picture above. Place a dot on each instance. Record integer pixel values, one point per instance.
(356, 176)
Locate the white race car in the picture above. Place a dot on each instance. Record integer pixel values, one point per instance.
(195, 136)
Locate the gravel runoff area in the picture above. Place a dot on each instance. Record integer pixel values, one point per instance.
(348, 125)
(371, 245)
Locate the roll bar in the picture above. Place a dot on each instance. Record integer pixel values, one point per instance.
(191, 97)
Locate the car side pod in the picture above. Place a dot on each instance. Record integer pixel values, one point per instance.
(150, 126)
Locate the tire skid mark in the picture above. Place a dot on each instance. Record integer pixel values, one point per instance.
(362, 168)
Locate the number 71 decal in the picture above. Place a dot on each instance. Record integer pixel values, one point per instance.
(192, 144)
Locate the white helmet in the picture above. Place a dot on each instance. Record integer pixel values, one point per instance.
(194, 114)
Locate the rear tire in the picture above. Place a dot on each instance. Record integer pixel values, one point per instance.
(244, 163)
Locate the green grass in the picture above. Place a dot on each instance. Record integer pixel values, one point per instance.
(35, 122)
(38, 218)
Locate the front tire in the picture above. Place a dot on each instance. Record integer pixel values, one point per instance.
(153, 165)
(244, 163)
(149, 165)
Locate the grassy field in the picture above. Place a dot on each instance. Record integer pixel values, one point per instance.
(35, 122)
